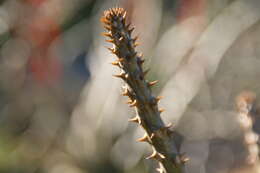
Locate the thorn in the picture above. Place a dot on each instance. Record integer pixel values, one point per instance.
(124, 15)
(111, 50)
(121, 75)
(123, 20)
(160, 170)
(126, 92)
(135, 120)
(153, 83)
(136, 44)
(161, 110)
(131, 30)
(161, 156)
(155, 155)
(113, 11)
(128, 25)
(129, 102)
(158, 98)
(103, 18)
(121, 38)
(107, 27)
(115, 63)
(105, 21)
(169, 125)
(145, 138)
(152, 135)
(121, 59)
(183, 159)
(133, 104)
(126, 76)
(110, 41)
(107, 34)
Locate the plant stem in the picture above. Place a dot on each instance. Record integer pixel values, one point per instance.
(139, 91)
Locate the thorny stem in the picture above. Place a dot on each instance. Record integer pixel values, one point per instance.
(139, 92)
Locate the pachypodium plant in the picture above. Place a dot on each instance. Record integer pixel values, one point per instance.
(138, 89)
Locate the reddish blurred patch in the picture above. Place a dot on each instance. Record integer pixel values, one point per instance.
(43, 29)
(190, 8)
(42, 32)
(45, 70)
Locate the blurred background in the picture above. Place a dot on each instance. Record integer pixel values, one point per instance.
(61, 109)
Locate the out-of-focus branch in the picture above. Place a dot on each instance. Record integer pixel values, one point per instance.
(204, 59)
(244, 104)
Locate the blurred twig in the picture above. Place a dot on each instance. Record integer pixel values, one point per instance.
(204, 59)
